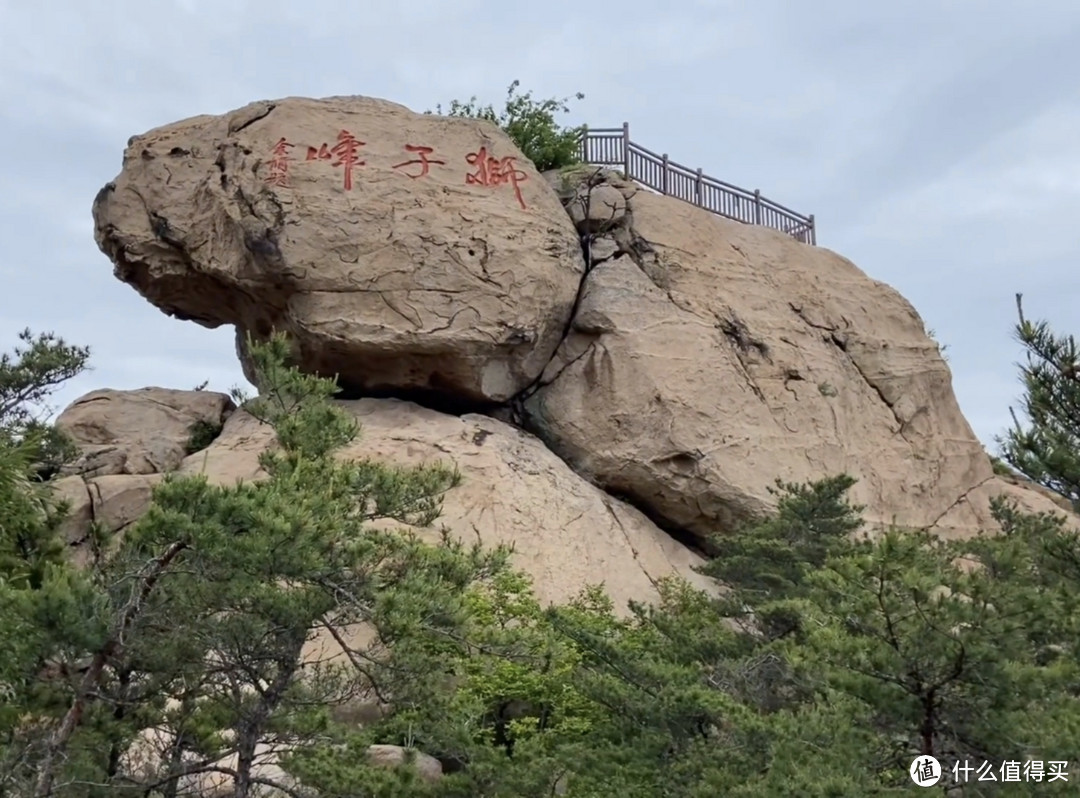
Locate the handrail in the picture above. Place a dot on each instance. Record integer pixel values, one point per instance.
(611, 146)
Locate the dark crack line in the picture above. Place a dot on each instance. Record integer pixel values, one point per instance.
(517, 402)
(839, 343)
(798, 311)
(963, 496)
(901, 424)
(626, 536)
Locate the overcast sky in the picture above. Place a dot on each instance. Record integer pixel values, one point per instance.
(937, 142)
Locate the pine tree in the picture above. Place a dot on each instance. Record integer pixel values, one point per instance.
(186, 660)
(1048, 449)
(30, 450)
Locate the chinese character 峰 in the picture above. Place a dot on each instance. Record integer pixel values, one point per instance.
(345, 151)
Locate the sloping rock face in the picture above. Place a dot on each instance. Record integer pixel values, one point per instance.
(401, 251)
(708, 358)
(565, 532)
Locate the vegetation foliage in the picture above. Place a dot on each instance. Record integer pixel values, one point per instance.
(531, 124)
(199, 643)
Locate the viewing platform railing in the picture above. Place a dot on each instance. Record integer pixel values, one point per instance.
(613, 147)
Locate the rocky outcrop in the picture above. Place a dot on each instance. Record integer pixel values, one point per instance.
(708, 358)
(127, 440)
(669, 359)
(565, 532)
(148, 431)
(401, 251)
(395, 756)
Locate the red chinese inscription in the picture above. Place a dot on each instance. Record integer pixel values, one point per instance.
(279, 164)
(345, 151)
(423, 160)
(492, 171)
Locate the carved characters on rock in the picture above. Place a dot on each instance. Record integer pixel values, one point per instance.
(489, 170)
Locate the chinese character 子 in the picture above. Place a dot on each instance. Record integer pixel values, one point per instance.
(345, 151)
(491, 171)
(986, 772)
(1010, 771)
(1056, 771)
(423, 160)
(1033, 770)
(957, 769)
(279, 164)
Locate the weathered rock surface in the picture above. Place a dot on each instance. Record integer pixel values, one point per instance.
(400, 250)
(113, 501)
(686, 367)
(708, 358)
(566, 533)
(148, 431)
(971, 511)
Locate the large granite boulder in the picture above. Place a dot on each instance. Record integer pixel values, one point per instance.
(707, 358)
(401, 251)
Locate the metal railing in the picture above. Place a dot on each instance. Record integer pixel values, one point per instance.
(612, 147)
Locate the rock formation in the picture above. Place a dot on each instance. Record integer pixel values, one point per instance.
(400, 250)
(601, 363)
(707, 358)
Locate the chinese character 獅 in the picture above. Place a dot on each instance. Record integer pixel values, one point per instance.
(491, 171)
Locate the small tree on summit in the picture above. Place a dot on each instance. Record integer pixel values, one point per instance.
(1048, 451)
(531, 124)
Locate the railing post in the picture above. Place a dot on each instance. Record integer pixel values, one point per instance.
(813, 231)
(757, 206)
(697, 190)
(626, 149)
(585, 144)
(664, 175)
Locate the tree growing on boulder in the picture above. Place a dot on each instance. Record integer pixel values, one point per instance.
(531, 124)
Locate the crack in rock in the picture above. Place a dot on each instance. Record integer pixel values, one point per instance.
(246, 117)
(743, 343)
(626, 535)
(840, 343)
(963, 497)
